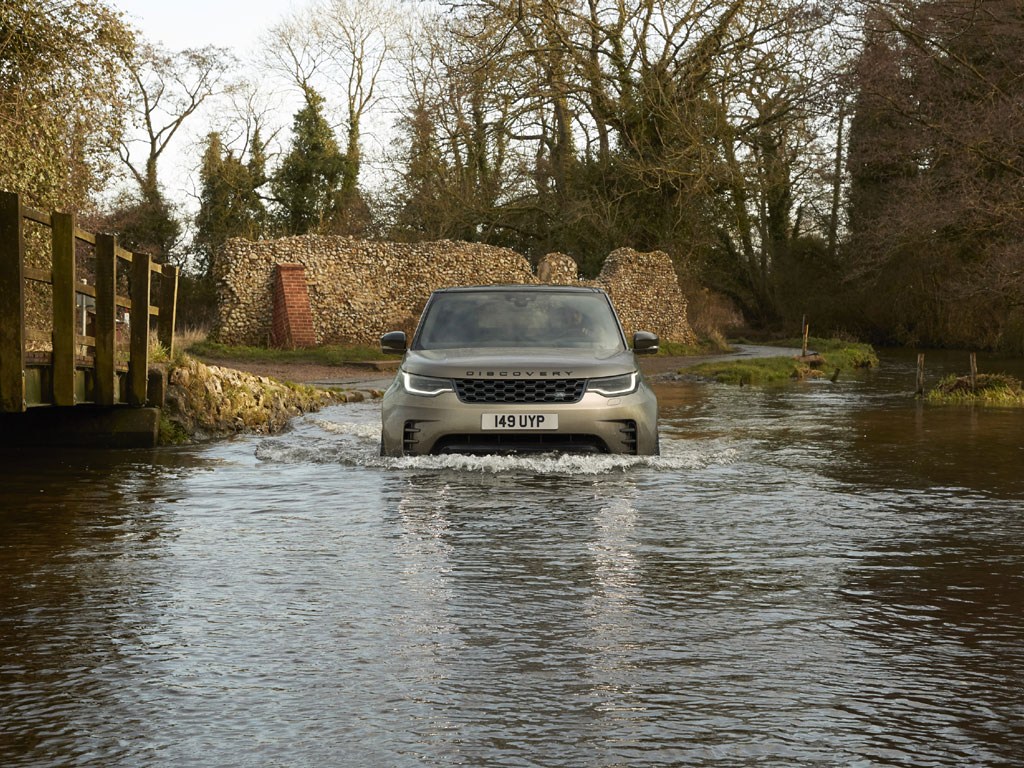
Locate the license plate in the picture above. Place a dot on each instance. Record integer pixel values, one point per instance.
(517, 422)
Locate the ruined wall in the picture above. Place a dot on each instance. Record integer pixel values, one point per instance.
(360, 289)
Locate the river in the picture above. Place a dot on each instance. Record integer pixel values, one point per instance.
(822, 574)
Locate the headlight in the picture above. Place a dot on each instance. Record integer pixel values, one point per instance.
(427, 386)
(611, 386)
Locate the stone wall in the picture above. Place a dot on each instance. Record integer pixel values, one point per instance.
(359, 289)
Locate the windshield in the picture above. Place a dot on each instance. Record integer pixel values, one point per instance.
(520, 319)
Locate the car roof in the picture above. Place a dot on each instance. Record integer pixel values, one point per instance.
(520, 287)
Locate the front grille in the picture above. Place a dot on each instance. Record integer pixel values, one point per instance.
(520, 390)
(482, 445)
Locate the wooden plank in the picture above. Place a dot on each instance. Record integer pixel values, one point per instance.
(138, 359)
(168, 308)
(35, 334)
(88, 341)
(37, 216)
(106, 315)
(87, 290)
(154, 311)
(121, 301)
(39, 275)
(64, 309)
(85, 237)
(124, 255)
(12, 304)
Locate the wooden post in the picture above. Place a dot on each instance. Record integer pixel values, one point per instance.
(974, 371)
(920, 373)
(138, 360)
(168, 308)
(106, 319)
(804, 329)
(64, 327)
(12, 304)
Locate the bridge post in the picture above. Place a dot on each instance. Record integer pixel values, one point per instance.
(65, 331)
(106, 317)
(138, 360)
(12, 304)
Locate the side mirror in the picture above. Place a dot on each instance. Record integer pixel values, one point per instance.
(645, 343)
(393, 342)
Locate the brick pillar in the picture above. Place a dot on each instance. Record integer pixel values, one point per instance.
(293, 320)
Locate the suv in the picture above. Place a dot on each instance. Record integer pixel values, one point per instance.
(519, 368)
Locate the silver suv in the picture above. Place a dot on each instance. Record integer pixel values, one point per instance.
(505, 369)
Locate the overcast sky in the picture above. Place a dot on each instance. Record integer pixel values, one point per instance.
(190, 23)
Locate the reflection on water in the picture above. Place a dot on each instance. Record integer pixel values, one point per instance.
(819, 575)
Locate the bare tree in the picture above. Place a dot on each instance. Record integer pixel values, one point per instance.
(167, 88)
(343, 47)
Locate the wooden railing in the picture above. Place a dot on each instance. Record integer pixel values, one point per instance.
(64, 382)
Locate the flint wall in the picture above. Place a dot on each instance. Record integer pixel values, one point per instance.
(360, 289)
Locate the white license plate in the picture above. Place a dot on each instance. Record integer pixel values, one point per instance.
(517, 422)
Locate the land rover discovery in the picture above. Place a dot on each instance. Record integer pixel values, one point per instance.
(522, 368)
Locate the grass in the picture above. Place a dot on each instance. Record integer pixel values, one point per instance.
(837, 353)
(712, 344)
(997, 389)
(326, 355)
(759, 370)
(775, 370)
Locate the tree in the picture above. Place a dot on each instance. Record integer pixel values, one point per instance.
(166, 90)
(229, 204)
(307, 184)
(339, 48)
(936, 201)
(62, 64)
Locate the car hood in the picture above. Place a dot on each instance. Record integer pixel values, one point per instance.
(540, 363)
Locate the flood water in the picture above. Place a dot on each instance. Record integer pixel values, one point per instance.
(815, 575)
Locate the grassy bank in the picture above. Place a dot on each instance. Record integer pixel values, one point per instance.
(326, 355)
(832, 355)
(836, 352)
(996, 389)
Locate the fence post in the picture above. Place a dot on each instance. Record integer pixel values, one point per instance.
(12, 304)
(168, 308)
(920, 373)
(138, 360)
(106, 317)
(64, 320)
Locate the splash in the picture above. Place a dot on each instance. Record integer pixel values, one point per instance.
(356, 443)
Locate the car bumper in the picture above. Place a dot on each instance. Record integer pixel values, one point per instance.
(412, 424)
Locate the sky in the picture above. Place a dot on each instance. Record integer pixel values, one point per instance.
(233, 24)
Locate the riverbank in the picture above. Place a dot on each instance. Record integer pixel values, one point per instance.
(825, 358)
(206, 401)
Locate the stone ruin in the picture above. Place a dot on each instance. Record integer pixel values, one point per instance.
(358, 290)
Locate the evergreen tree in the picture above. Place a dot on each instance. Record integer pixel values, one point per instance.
(229, 205)
(307, 185)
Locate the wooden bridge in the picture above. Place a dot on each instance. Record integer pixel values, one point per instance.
(68, 337)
